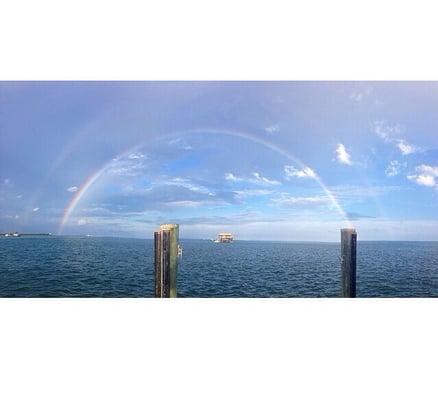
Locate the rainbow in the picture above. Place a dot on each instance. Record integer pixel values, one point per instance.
(60, 159)
(90, 180)
(78, 196)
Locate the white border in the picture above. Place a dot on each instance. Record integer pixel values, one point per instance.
(218, 349)
(228, 39)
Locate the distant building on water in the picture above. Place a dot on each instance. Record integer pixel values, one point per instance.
(224, 238)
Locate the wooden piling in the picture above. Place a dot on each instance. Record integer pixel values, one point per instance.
(348, 260)
(166, 260)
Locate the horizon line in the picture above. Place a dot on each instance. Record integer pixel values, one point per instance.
(235, 240)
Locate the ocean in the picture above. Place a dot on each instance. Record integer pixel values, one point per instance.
(63, 266)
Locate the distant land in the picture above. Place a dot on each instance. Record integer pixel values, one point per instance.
(17, 234)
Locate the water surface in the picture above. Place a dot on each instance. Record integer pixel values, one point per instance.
(117, 267)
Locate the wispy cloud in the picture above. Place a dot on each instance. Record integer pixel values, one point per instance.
(6, 181)
(425, 175)
(188, 184)
(292, 172)
(393, 168)
(185, 203)
(272, 129)
(286, 200)
(386, 131)
(229, 176)
(213, 202)
(35, 209)
(262, 179)
(406, 148)
(392, 134)
(133, 165)
(136, 156)
(252, 193)
(361, 93)
(72, 189)
(19, 196)
(342, 155)
(163, 194)
(181, 142)
(257, 179)
(216, 221)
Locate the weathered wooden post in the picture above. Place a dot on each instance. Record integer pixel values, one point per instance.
(348, 260)
(166, 260)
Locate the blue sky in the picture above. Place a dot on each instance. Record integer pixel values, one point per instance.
(264, 160)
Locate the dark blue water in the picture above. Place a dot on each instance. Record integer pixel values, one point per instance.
(115, 267)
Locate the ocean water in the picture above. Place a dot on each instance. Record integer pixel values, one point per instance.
(118, 267)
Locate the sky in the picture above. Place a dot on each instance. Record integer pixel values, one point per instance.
(263, 160)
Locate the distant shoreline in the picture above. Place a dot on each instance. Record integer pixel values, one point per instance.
(235, 240)
(27, 234)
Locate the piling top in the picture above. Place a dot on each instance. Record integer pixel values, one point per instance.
(168, 227)
(348, 230)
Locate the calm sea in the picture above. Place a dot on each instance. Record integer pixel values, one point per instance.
(116, 267)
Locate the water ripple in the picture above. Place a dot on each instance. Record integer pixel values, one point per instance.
(115, 267)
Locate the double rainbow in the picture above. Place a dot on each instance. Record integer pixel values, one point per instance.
(90, 180)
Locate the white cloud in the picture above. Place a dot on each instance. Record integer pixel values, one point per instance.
(292, 172)
(258, 179)
(361, 93)
(393, 168)
(405, 147)
(35, 209)
(184, 145)
(425, 180)
(174, 141)
(265, 180)
(428, 169)
(195, 203)
(132, 165)
(342, 155)
(385, 131)
(231, 177)
(252, 193)
(425, 175)
(186, 183)
(136, 156)
(19, 196)
(72, 189)
(82, 221)
(17, 216)
(286, 200)
(185, 203)
(6, 181)
(272, 129)
(391, 134)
